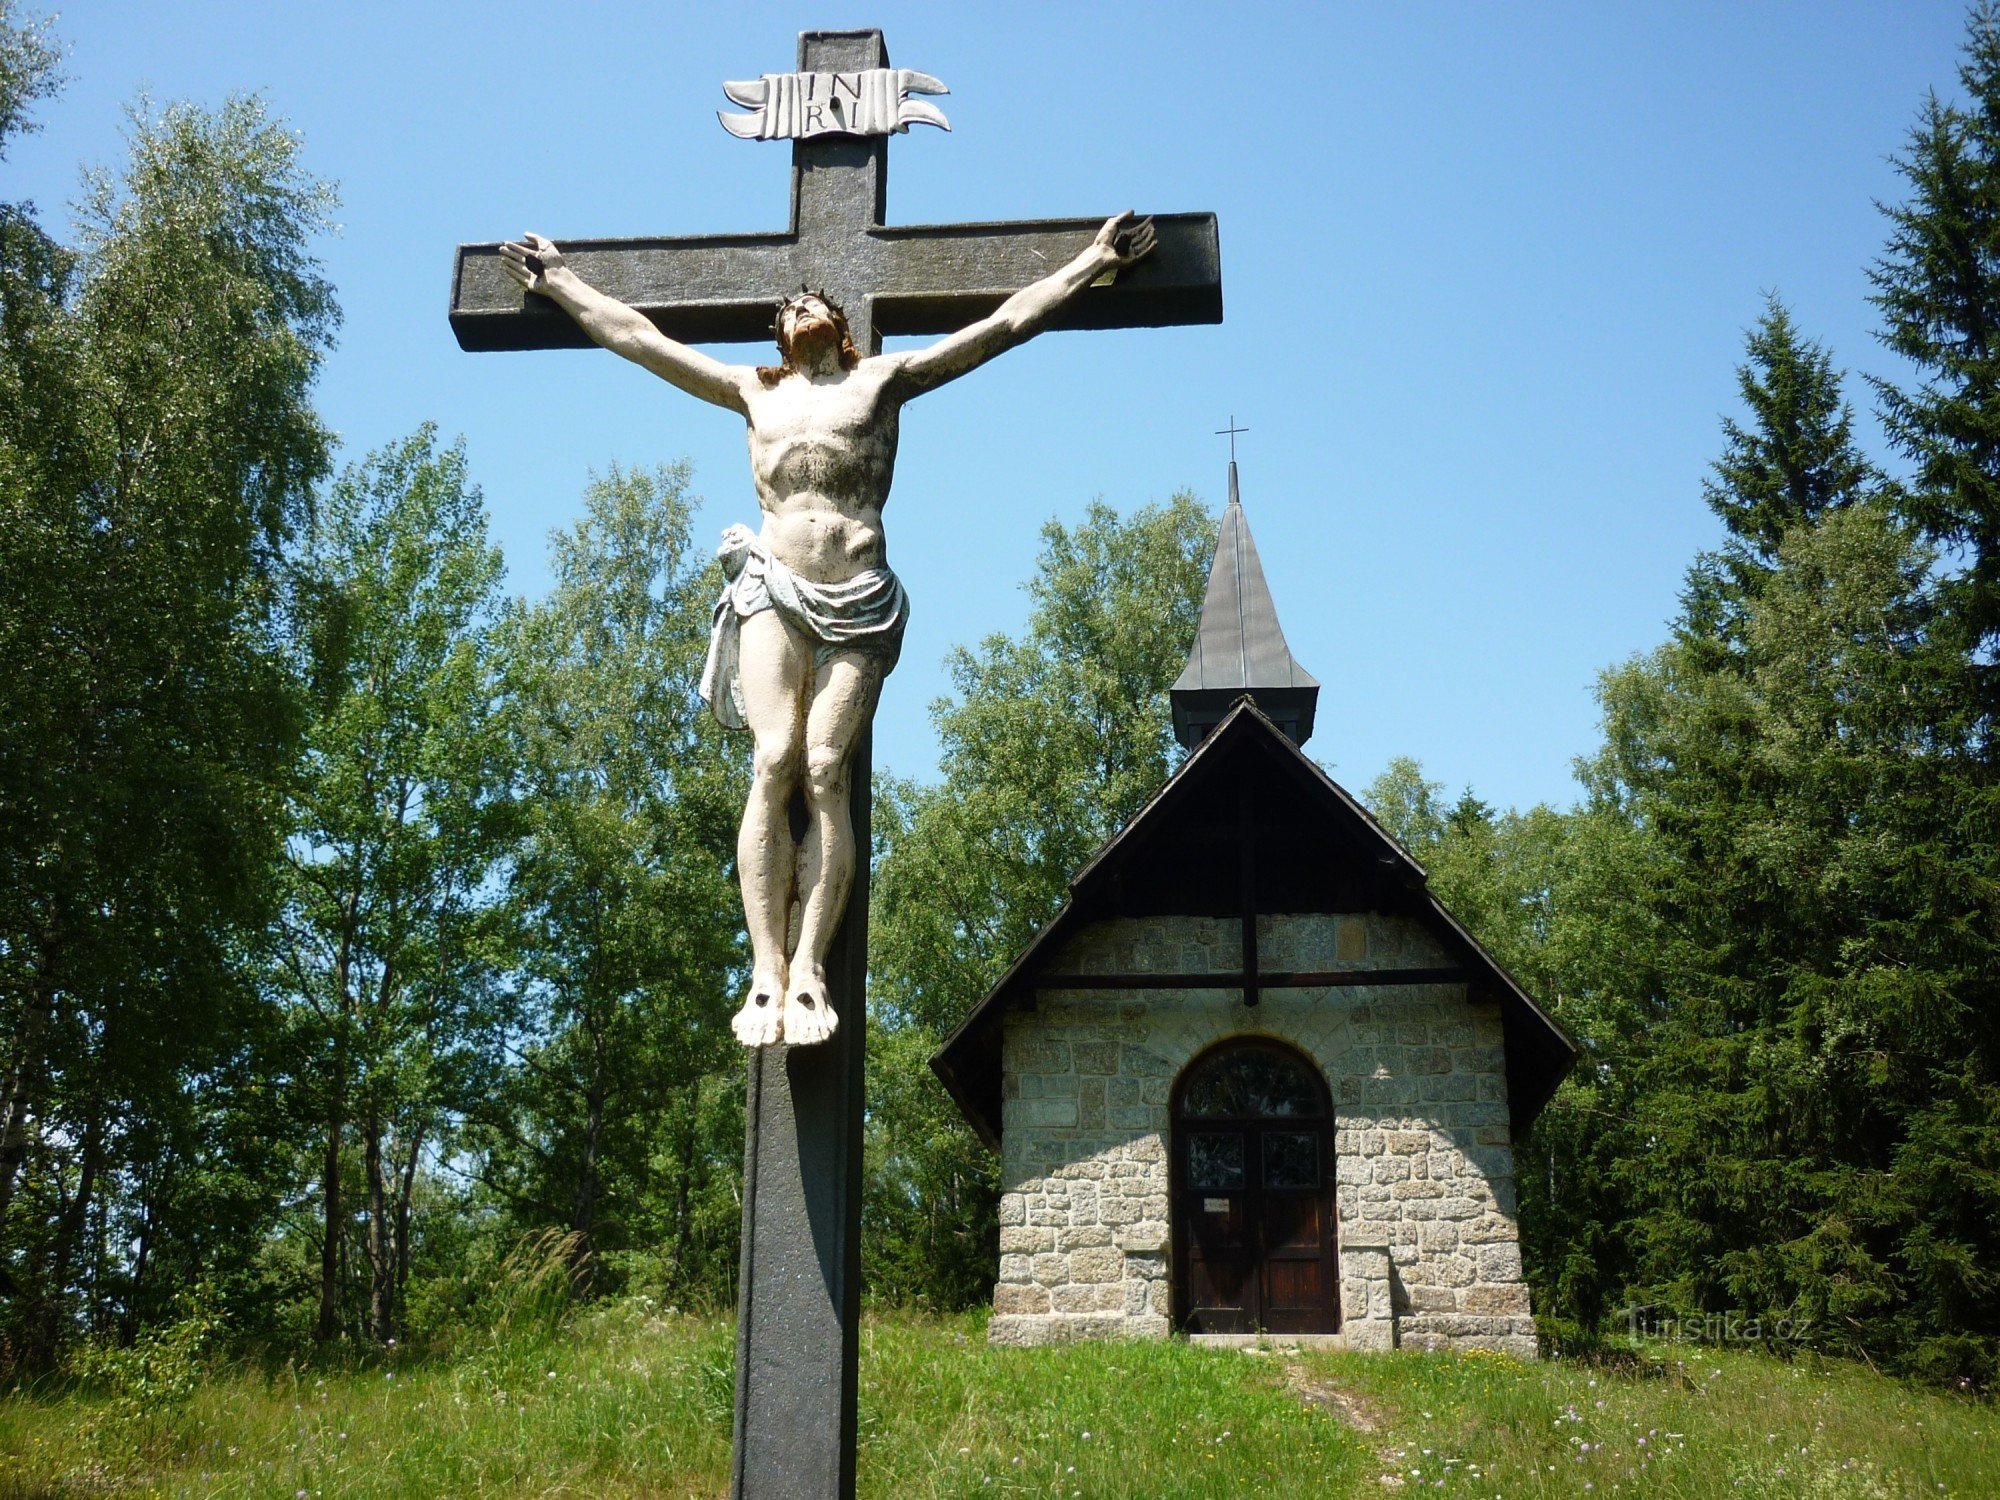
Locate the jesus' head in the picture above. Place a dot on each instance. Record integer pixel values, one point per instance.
(810, 328)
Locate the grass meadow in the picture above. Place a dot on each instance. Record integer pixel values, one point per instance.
(624, 1403)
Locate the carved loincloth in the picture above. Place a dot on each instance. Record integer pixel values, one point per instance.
(864, 613)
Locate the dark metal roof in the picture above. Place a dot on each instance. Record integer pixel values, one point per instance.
(1240, 647)
(1334, 840)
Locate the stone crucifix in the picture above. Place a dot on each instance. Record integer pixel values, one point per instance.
(812, 618)
(806, 670)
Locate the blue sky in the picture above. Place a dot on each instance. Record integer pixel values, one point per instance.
(1486, 272)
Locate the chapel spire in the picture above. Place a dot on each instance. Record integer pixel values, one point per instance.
(1240, 650)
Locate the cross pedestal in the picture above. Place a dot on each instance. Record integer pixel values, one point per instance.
(799, 1292)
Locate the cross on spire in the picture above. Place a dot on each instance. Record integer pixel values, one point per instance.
(1230, 431)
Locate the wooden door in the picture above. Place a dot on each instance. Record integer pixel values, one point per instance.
(1253, 1224)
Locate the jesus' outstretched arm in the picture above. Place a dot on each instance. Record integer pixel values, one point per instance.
(1118, 244)
(537, 266)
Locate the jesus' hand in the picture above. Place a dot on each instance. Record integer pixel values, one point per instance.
(1124, 241)
(532, 263)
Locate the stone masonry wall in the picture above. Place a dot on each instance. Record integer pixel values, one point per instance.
(1424, 1190)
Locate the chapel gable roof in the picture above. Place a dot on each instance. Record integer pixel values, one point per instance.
(1312, 848)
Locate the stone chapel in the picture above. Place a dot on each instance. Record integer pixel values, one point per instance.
(1254, 1079)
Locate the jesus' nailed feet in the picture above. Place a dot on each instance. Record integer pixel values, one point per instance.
(796, 1014)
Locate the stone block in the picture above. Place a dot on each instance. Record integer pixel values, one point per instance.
(1018, 1239)
(1036, 1054)
(1500, 1263)
(1095, 1057)
(1096, 1265)
(1495, 1299)
(1116, 1211)
(1371, 1335)
(1390, 1168)
(1034, 1113)
(1426, 1060)
(1082, 1237)
(1437, 1238)
(1350, 940)
(1085, 1298)
(1051, 1270)
(1098, 1325)
(1013, 1209)
(1148, 1326)
(1454, 1271)
(1017, 1268)
(1137, 1062)
(1014, 1300)
(1146, 1265)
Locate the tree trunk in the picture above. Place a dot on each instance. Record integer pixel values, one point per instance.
(406, 1190)
(684, 1189)
(329, 1250)
(18, 1096)
(583, 1206)
(381, 1273)
(69, 1233)
(141, 1259)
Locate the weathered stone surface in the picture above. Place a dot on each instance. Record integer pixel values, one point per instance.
(1423, 1164)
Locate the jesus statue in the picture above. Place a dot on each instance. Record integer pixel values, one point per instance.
(811, 619)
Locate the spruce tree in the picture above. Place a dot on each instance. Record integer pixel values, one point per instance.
(1938, 287)
(1796, 461)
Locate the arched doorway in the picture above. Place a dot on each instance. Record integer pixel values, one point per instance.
(1252, 1199)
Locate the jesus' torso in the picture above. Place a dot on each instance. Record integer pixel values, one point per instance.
(822, 453)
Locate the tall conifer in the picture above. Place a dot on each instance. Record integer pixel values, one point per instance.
(1938, 286)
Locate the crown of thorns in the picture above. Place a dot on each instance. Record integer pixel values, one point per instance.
(804, 291)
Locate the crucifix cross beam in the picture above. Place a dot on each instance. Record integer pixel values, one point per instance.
(889, 279)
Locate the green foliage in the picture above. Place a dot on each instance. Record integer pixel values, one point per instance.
(1051, 743)
(626, 921)
(29, 58)
(387, 955)
(1795, 463)
(1938, 288)
(143, 1388)
(156, 446)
